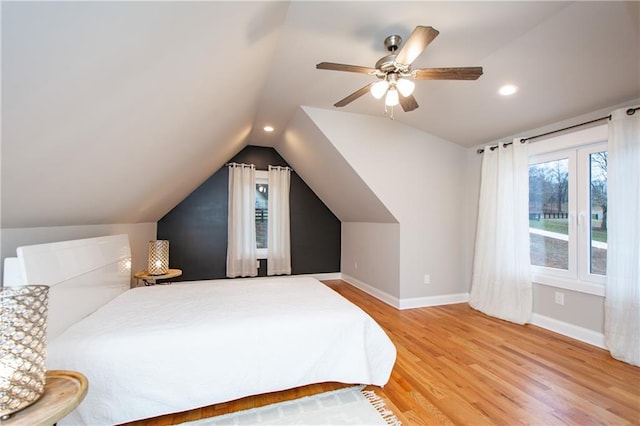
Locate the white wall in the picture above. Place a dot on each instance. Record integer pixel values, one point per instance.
(419, 178)
(370, 254)
(139, 236)
(471, 195)
(580, 309)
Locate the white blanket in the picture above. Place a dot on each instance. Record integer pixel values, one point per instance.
(164, 349)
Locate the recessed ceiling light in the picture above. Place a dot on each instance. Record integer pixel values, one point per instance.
(508, 89)
(268, 129)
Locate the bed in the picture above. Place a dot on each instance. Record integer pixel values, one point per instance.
(168, 348)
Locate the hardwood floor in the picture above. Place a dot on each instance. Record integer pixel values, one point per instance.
(456, 366)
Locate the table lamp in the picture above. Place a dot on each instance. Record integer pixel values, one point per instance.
(158, 257)
(23, 325)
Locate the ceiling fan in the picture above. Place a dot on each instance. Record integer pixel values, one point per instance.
(394, 71)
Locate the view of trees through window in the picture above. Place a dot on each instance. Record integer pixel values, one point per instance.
(598, 202)
(549, 214)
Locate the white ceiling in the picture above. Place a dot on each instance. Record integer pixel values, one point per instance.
(113, 112)
(568, 58)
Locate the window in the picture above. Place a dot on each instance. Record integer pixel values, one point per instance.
(568, 212)
(598, 212)
(549, 213)
(262, 213)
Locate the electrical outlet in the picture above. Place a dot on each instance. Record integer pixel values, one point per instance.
(559, 298)
(355, 265)
(427, 279)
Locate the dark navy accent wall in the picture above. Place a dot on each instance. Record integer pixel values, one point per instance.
(197, 227)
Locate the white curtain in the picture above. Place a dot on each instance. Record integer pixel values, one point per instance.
(279, 241)
(242, 257)
(501, 282)
(622, 296)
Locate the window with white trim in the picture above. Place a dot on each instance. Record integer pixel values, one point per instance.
(568, 211)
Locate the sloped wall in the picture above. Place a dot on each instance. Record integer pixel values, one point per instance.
(197, 227)
(370, 233)
(104, 103)
(419, 178)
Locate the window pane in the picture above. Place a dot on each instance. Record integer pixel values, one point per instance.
(262, 216)
(598, 201)
(548, 213)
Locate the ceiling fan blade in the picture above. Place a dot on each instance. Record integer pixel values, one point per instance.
(352, 97)
(415, 44)
(465, 73)
(343, 67)
(408, 103)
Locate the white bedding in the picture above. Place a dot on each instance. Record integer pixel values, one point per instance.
(164, 349)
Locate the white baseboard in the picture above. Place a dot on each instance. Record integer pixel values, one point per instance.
(378, 294)
(415, 302)
(326, 276)
(443, 299)
(566, 329)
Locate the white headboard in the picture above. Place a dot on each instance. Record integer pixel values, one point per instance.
(82, 275)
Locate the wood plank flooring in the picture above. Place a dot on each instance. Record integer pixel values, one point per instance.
(456, 366)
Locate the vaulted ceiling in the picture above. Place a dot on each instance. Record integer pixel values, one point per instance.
(112, 112)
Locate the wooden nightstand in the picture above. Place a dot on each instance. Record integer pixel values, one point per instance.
(146, 277)
(63, 392)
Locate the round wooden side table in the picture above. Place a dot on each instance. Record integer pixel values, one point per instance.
(63, 392)
(147, 278)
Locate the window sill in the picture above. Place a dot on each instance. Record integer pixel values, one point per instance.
(262, 253)
(569, 284)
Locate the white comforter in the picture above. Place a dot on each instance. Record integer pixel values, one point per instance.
(164, 349)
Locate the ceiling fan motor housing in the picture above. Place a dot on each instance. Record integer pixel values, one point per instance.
(388, 64)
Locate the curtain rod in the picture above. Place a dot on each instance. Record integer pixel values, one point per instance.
(239, 165)
(252, 165)
(281, 167)
(630, 111)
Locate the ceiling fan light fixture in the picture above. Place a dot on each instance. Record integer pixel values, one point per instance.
(379, 89)
(392, 98)
(405, 87)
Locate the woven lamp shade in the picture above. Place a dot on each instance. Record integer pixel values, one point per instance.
(158, 257)
(23, 341)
